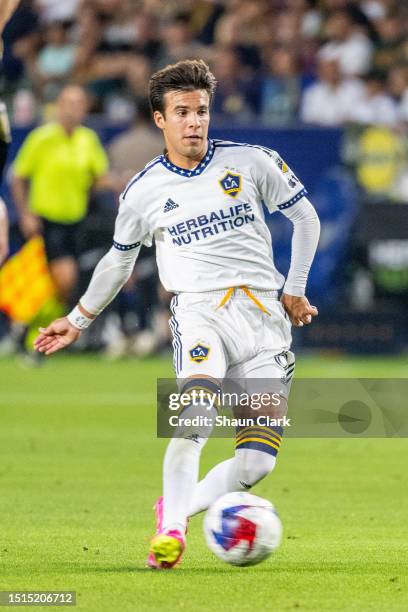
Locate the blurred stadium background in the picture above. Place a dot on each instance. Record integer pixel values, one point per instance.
(323, 82)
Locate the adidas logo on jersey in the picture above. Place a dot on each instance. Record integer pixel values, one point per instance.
(170, 205)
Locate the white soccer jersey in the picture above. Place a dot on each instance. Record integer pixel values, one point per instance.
(208, 223)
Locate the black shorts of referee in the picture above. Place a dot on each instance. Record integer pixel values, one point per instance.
(61, 239)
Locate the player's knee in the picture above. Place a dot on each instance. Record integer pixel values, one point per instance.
(203, 391)
(195, 420)
(253, 466)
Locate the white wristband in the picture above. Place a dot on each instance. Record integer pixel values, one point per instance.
(78, 319)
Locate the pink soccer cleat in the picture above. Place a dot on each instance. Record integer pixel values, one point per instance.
(166, 547)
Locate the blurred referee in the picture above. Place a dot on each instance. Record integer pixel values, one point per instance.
(7, 7)
(53, 173)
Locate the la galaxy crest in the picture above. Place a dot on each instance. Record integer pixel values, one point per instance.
(199, 352)
(231, 183)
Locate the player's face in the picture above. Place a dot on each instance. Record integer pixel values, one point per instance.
(185, 124)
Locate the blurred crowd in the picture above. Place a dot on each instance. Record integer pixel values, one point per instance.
(281, 62)
(278, 63)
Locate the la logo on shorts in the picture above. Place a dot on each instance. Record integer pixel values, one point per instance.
(231, 183)
(199, 353)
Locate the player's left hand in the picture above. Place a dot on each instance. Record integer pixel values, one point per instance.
(299, 310)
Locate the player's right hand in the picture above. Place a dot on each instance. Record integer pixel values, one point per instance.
(59, 334)
(30, 225)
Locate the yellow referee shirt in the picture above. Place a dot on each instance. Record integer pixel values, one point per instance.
(61, 168)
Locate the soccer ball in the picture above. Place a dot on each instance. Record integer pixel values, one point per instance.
(242, 529)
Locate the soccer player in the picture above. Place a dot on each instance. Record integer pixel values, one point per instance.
(202, 201)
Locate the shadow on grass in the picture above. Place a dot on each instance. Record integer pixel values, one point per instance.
(357, 567)
(284, 570)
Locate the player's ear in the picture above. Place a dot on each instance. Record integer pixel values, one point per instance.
(159, 119)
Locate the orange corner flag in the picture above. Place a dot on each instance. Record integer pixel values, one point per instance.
(25, 282)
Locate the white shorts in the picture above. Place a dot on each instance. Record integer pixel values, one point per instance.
(237, 340)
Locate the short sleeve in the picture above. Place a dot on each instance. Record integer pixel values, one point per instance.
(131, 229)
(27, 156)
(278, 185)
(99, 159)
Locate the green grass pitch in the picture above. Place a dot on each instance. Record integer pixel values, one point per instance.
(80, 468)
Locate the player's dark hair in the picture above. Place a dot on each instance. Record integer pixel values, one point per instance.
(187, 75)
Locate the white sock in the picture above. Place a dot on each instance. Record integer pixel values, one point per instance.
(180, 475)
(237, 474)
(221, 479)
(181, 468)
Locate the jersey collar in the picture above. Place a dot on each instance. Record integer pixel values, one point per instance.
(197, 170)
